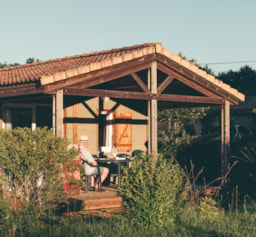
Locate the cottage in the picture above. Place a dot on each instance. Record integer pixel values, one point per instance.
(112, 96)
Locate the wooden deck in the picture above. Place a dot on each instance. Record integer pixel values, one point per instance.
(94, 200)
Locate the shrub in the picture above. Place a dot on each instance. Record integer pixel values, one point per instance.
(27, 159)
(153, 191)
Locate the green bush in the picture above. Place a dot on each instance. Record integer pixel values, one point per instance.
(153, 191)
(25, 156)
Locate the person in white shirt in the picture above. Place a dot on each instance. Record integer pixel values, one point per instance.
(86, 155)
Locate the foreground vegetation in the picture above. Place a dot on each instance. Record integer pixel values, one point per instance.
(159, 198)
(202, 220)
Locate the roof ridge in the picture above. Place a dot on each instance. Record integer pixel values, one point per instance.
(81, 56)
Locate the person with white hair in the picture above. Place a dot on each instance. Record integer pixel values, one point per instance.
(87, 157)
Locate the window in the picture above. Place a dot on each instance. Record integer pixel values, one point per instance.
(17, 117)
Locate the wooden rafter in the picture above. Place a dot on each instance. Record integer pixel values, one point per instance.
(164, 84)
(186, 81)
(139, 81)
(191, 79)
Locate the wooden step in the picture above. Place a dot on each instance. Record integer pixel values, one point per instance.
(102, 203)
(106, 213)
(94, 200)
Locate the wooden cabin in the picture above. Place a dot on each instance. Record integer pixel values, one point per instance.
(112, 96)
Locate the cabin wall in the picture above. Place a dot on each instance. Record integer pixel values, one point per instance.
(87, 124)
(84, 123)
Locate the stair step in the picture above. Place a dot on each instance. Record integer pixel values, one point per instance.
(112, 202)
(108, 213)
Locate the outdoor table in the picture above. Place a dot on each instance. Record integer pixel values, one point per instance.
(118, 162)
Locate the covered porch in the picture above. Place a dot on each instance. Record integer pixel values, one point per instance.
(113, 96)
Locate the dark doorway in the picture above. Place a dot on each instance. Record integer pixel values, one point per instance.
(43, 116)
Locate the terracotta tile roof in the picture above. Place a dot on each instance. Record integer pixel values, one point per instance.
(33, 72)
(62, 68)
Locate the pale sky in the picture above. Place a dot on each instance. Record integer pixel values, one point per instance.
(208, 31)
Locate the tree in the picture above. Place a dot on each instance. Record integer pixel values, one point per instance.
(243, 80)
(28, 61)
(178, 128)
(3, 65)
(31, 60)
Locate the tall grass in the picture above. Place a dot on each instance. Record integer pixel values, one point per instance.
(194, 221)
(203, 218)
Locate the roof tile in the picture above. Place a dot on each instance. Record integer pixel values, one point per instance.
(61, 68)
(34, 71)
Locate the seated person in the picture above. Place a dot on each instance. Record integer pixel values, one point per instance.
(86, 155)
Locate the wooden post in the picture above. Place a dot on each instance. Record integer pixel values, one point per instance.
(33, 125)
(153, 109)
(1, 116)
(100, 126)
(149, 112)
(54, 114)
(65, 127)
(75, 125)
(59, 113)
(222, 141)
(225, 137)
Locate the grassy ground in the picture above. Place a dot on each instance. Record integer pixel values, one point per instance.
(199, 220)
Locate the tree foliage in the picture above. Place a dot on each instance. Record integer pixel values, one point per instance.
(178, 128)
(3, 65)
(244, 80)
(28, 61)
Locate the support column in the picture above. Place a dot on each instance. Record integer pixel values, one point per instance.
(59, 113)
(153, 110)
(101, 126)
(75, 125)
(225, 137)
(33, 125)
(1, 116)
(149, 114)
(54, 114)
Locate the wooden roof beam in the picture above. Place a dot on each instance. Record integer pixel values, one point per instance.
(108, 93)
(190, 99)
(20, 92)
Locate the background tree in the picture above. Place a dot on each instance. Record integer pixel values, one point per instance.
(3, 65)
(178, 127)
(28, 61)
(32, 60)
(244, 80)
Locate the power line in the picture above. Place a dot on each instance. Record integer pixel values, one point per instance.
(231, 62)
